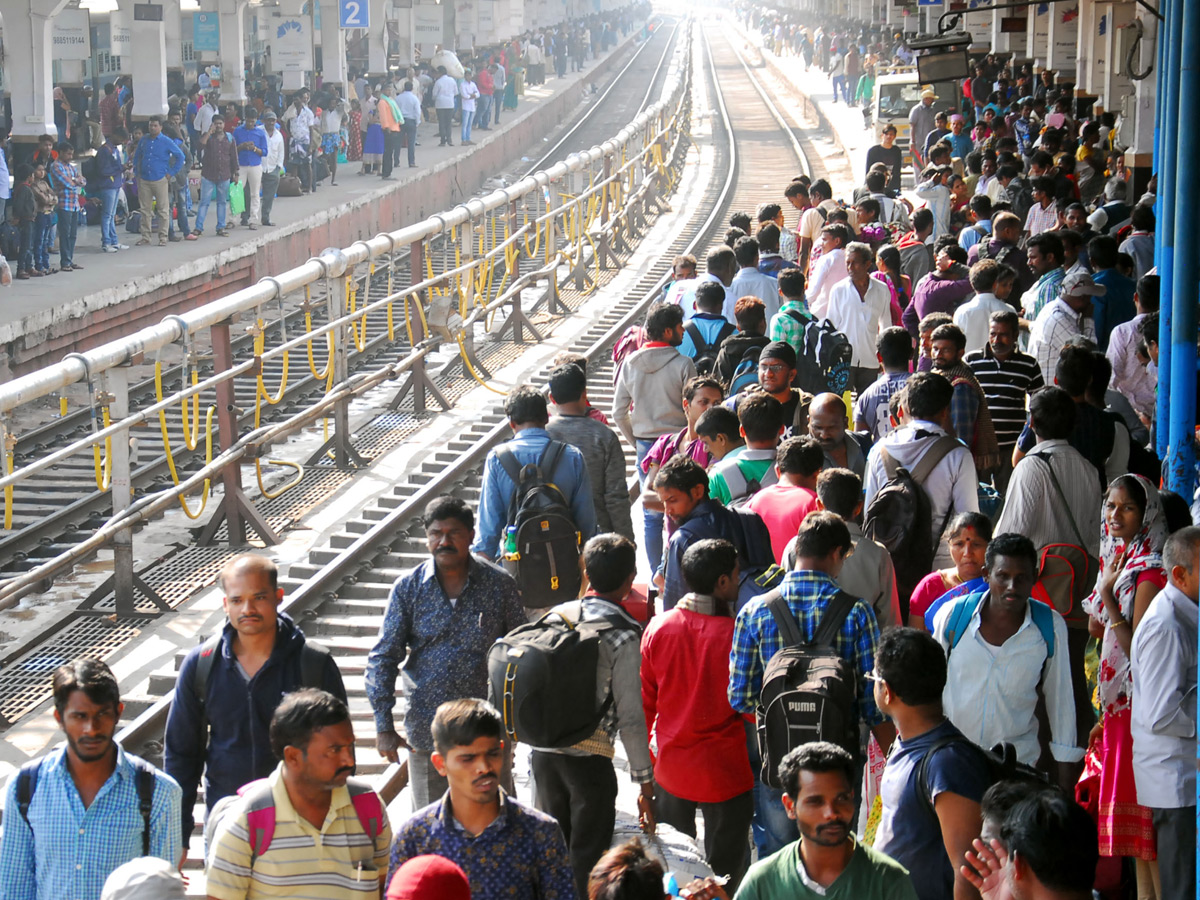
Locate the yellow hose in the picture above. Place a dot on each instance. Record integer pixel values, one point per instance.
(166, 439)
(360, 340)
(260, 341)
(8, 490)
(103, 468)
(327, 374)
(462, 348)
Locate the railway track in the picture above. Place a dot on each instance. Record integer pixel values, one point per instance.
(339, 593)
(63, 505)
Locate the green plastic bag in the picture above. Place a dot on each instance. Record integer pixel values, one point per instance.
(237, 199)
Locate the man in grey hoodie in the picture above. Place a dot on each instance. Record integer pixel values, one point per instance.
(652, 381)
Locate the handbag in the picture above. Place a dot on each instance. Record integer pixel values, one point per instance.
(1067, 572)
(320, 169)
(289, 186)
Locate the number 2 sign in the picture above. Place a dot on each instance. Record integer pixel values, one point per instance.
(354, 14)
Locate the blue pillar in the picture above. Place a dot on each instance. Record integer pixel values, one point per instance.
(1168, 84)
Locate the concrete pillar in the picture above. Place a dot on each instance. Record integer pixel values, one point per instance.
(1137, 111)
(293, 79)
(1115, 87)
(377, 37)
(1012, 43)
(173, 25)
(233, 47)
(148, 66)
(333, 47)
(1063, 40)
(1038, 36)
(28, 72)
(1087, 44)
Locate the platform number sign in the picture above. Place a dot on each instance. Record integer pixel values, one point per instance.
(353, 14)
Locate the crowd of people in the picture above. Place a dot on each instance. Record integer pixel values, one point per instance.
(920, 620)
(159, 177)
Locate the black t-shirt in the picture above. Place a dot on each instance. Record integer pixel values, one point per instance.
(894, 159)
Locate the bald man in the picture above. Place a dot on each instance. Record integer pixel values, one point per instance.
(229, 686)
(828, 422)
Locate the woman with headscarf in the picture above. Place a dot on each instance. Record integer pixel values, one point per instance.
(1133, 531)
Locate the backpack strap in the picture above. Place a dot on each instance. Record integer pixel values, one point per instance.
(785, 619)
(699, 344)
(833, 619)
(725, 331)
(27, 779)
(961, 613)
(934, 455)
(548, 463)
(798, 316)
(260, 816)
(1062, 497)
(367, 806)
(210, 650)
(923, 768)
(144, 780)
(890, 466)
(1043, 619)
(509, 463)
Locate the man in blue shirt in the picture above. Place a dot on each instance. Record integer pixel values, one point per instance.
(506, 848)
(221, 728)
(251, 140)
(83, 820)
(441, 619)
(155, 162)
(528, 414)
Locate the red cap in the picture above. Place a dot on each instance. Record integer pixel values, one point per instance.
(426, 877)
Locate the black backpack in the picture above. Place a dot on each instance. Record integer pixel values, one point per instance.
(823, 363)
(27, 781)
(1000, 762)
(545, 557)
(757, 571)
(899, 517)
(10, 241)
(542, 677)
(809, 692)
(706, 353)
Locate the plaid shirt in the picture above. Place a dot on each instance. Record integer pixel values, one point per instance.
(63, 176)
(786, 328)
(756, 639)
(66, 850)
(1039, 219)
(964, 410)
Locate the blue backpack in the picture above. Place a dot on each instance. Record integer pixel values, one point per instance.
(745, 373)
(963, 609)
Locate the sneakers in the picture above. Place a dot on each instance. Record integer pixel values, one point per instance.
(121, 246)
(109, 248)
(221, 232)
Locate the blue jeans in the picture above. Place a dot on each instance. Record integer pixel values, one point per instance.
(653, 531)
(68, 224)
(468, 116)
(25, 257)
(772, 829)
(483, 115)
(108, 214)
(206, 192)
(43, 240)
(181, 211)
(840, 81)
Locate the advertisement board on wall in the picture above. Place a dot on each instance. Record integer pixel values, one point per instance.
(291, 43)
(70, 35)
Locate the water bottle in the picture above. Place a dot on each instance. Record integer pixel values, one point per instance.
(510, 542)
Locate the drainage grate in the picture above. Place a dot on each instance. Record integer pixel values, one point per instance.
(178, 577)
(314, 489)
(25, 684)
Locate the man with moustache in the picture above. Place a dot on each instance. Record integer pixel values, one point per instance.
(441, 619)
(229, 687)
(827, 862)
(308, 830)
(76, 814)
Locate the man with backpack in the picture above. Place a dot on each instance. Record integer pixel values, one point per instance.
(737, 362)
(743, 472)
(682, 487)
(749, 282)
(776, 371)
(701, 760)
(789, 323)
(935, 778)
(577, 785)
(920, 456)
(813, 623)
(720, 266)
(651, 382)
(599, 444)
(308, 830)
(69, 817)
(229, 686)
(707, 330)
(1004, 248)
(507, 471)
(441, 619)
(1004, 650)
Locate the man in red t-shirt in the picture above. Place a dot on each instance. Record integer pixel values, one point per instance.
(702, 757)
(783, 505)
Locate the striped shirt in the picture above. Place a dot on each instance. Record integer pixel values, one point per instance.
(334, 862)
(1039, 219)
(1033, 508)
(66, 851)
(1054, 326)
(1006, 384)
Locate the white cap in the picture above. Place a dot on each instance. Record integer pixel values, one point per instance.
(145, 878)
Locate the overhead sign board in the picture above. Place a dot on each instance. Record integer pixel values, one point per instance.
(291, 43)
(206, 32)
(354, 14)
(427, 24)
(70, 35)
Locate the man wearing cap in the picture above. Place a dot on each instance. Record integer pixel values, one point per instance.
(1062, 319)
(776, 372)
(429, 876)
(921, 121)
(144, 878)
(272, 164)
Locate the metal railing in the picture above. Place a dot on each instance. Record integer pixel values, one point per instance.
(496, 250)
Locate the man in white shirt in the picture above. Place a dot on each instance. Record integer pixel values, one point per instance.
(272, 164)
(300, 120)
(999, 656)
(749, 282)
(859, 308)
(445, 89)
(1136, 381)
(935, 191)
(721, 265)
(830, 268)
(1062, 319)
(953, 485)
(410, 108)
(992, 283)
(1164, 713)
(203, 119)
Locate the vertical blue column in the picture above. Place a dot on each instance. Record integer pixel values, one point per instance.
(1168, 84)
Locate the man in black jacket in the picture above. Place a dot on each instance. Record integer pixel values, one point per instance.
(229, 687)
